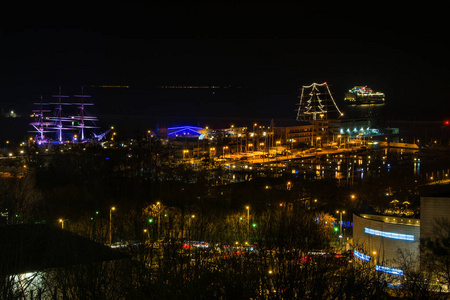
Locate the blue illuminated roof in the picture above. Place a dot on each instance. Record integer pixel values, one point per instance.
(184, 127)
(184, 131)
(390, 235)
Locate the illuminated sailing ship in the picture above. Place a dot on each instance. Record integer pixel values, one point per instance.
(60, 127)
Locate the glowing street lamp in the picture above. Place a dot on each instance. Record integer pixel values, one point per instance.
(340, 212)
(110, 219)
(248, 220)
(62, 223)
(223, 150)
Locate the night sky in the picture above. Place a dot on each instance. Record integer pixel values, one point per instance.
(265, 52)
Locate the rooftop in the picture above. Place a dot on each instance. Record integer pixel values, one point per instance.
(391, 219)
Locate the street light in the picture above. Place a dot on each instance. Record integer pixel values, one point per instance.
(340, 212)
(223, 150)
(248, 220)
(110, 218)
(62, 223)
(317, 140)
(190, 217)
(148, 235)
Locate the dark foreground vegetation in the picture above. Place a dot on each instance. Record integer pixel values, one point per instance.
(187, 235)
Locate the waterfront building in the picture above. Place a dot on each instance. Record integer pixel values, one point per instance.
(385, 240)
(380, 237)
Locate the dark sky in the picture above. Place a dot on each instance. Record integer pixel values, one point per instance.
(266, 52)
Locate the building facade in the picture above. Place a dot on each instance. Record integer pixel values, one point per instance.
(380, 239)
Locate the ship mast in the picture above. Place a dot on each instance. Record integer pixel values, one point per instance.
(316, 100)
(83, 117)
(40, 125)
(58, 118)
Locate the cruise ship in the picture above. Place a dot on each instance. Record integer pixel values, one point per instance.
(363, 95)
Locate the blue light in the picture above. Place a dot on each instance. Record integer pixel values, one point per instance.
(184, 127)
(361, 256)
(185, 130)
(390, 235)
(392, 271)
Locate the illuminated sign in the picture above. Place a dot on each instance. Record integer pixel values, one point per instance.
(390, 235)
(361, 256)
(388, 270)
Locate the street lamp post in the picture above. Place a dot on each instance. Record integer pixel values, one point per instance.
(159, 215)
(340, 212)
(223, 151)
(248, 221)
(189, 235)
(110, 219)
(62, 223)
(146, 231)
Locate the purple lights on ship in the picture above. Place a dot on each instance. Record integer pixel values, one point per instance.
(64, 121)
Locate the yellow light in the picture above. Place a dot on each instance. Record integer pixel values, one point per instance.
(113, 208)
(193, 216)
(247, 207)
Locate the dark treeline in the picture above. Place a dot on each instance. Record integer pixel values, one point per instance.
(260, 252)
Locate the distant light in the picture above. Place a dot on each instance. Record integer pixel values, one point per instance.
(447, 122)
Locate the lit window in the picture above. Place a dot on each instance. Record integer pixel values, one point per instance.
(390, 235)
(392, 271)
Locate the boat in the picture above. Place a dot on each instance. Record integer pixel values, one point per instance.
(61, 128)
(399, 145)
(364, 95)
